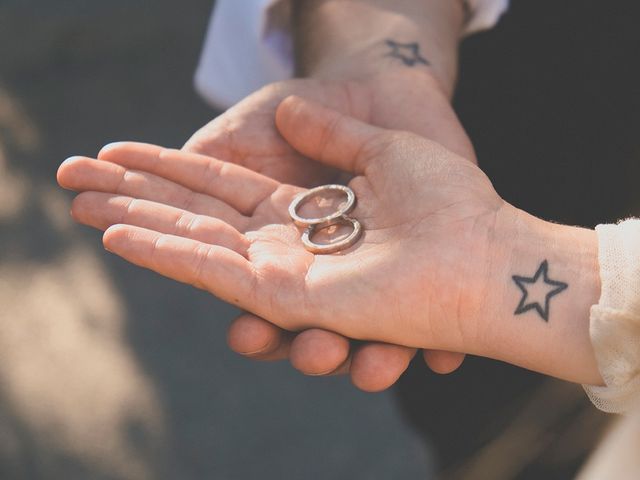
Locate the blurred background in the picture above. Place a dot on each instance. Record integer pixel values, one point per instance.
(108, 371)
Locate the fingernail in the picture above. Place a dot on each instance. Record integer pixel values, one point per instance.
(71, 159)
(110, 146)
(264, 349)
(268, 347)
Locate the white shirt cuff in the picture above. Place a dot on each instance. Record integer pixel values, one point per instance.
(246, 47)
(484, 14)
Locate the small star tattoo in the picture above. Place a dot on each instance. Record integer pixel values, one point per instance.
(545, 288)
(409, 53)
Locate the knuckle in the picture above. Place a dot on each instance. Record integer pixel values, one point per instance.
(211, 173)
(201, 257)
(186, 224)
(129, 210)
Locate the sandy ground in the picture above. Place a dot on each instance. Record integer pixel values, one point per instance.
(108, 371)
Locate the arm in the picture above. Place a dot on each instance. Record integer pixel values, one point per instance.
(252, 41)
(352, 39)
(543, 279)
(490, 254)
(397, 61)
(444, 262)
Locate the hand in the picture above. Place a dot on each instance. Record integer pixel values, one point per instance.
(404, 99)
(407, 100)
(417, 278)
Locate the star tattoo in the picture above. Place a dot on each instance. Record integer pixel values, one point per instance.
(541, 288)
(409, 53)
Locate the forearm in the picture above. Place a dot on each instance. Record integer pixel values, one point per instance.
(340, 39)
(543, 282)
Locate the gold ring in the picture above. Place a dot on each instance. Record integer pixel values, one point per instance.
(343, 244)
(346, 208)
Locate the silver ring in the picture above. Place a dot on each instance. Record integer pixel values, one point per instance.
(343, 244)
(301, 197)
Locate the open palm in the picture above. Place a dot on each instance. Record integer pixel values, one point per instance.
(409, 100)
(227, 230)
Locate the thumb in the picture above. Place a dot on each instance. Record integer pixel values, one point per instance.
(326, 135)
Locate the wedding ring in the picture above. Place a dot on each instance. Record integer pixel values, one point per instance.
(339, 217)
(344, 209)
(334, 247)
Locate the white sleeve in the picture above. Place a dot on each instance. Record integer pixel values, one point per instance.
(484, 14)
(615, 320)
(248, 45)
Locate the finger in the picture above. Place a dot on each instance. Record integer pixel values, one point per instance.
(221, 271)
(320, 352)
(101, 210)
(377, 366)
(237, 186)
(258, 339)
(86, 174)
(326, 135)
(443, 362)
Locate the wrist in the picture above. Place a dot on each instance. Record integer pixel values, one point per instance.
(543, 280)
(386, 81)
(367, 67)
(373, 61)
(379, 36)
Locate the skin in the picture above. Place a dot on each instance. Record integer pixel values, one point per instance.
(341, 53)
(224, 228)
(246, 135)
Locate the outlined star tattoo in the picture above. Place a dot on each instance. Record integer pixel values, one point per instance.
(409, 53)
(545, 287)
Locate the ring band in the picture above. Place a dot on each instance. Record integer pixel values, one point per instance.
(343, 244)
(302, 197)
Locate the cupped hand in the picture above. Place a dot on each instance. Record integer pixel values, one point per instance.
(416, 278)
(406, 99)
